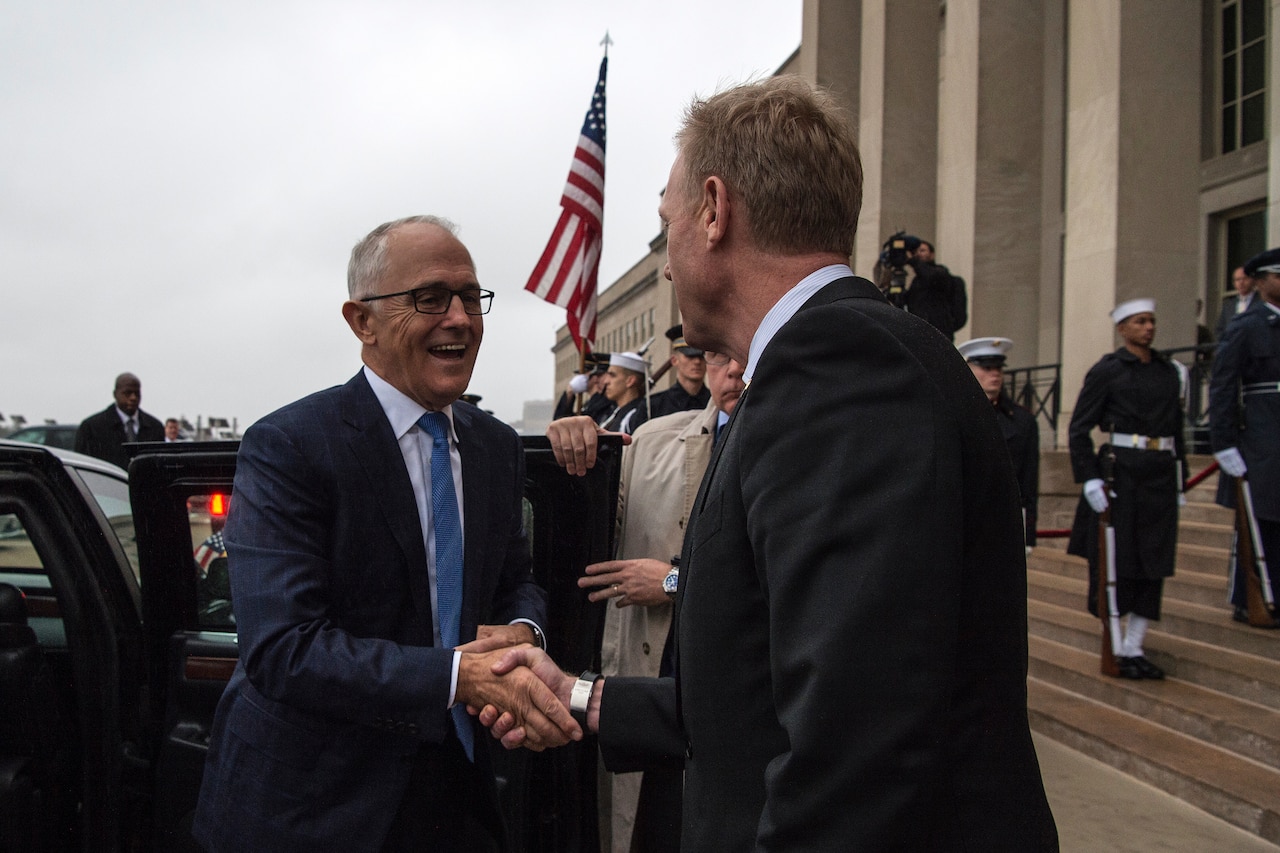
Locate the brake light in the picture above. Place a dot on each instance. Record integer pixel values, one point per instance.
(218, 504)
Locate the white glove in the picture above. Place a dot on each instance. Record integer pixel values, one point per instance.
(1231, 462)
(1095, 492)
(578, 384)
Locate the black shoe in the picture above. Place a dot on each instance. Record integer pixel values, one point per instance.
(1146, 668)
(1241, 615)
(1128, 669)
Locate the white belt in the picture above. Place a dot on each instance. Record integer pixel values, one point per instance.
(1262, 388)
(1143, 442)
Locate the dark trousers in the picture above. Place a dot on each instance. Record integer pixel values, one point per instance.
(449, 805)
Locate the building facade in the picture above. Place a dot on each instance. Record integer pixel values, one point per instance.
(1062, 156)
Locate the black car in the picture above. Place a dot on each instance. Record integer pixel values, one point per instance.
(114, 655)
(51, 435)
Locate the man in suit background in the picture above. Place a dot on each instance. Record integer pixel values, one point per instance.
(850, 642)
(1237, 302)
(375, 527)
(104, 435)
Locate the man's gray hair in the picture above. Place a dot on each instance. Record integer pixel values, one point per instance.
(369, 257)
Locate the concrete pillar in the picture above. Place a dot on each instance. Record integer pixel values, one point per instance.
(989, 165)
(1132, 174)
(897, 123)
(1273, 125)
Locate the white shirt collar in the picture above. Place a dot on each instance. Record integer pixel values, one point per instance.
(401, 411)
(786, 307)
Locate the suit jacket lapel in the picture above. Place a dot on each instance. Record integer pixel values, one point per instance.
(374, 446)
(474, 475)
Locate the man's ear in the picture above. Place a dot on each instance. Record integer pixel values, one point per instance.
(715, 209)
(357, 316)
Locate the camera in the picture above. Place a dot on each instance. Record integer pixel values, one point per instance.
(893, 263)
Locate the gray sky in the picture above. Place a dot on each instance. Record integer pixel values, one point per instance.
(181, 183)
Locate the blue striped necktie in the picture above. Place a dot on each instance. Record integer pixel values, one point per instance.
(447, 531)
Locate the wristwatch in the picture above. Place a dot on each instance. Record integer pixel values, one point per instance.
(672, 581)
(580, 696)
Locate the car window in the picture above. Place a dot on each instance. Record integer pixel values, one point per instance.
(17, 554)
(112, 497)
(207, 515)
(20, 565)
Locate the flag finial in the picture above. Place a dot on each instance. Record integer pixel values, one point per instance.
(606, 41)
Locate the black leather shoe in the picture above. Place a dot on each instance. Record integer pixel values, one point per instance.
(1241, 615)
(1146, 668)
(1128, 669)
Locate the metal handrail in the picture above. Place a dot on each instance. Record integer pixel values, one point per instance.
(1038, 389)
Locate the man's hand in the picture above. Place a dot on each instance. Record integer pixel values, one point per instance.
(629, 581)
(504, 726)
(574, 441)
(514, 690)
(490, 637)
(1095, 492)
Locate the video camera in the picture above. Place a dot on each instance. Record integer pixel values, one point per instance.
(893, 257)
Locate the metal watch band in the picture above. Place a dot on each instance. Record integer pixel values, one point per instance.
(580, 696)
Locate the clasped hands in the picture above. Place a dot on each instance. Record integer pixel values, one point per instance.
(516, 689)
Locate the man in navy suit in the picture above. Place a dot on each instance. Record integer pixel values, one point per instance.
(378, 567)
(850, 617)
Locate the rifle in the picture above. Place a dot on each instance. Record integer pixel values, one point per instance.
(1248, 547)
(1108, 609)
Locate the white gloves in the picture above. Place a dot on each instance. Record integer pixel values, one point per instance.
(1231, 462)
(1095, 492)
(578, 384)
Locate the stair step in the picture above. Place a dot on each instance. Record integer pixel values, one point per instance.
(1242, 674)
(1203, 618)
(1215, 534)
(1243, 727)
(1243, 792)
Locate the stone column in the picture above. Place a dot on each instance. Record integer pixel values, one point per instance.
(1273, 130)
(989, 165)
(1132, 174)
(897, 123)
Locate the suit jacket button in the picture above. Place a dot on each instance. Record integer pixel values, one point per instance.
(377, 722)
(413, 728)
(400, 727)
(645, 648)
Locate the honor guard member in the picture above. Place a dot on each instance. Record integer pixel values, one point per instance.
(1244, 414)
(986, 358)
(689, 393)
(626, 387)
(590, 381)
(1134, 396)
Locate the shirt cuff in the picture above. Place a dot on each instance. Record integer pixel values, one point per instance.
(453, 677)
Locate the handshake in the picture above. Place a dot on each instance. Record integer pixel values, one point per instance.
(521, 695)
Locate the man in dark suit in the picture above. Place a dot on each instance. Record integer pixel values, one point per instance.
(357, 584)
(104, 435)
(851, 650)
(1237, 302)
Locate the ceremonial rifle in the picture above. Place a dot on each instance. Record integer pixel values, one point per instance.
(1258, 592)
(1108, 609)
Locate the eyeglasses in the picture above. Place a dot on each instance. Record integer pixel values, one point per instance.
(436, 300)
(717, 359)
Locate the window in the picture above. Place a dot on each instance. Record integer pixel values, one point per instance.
(1244, 73)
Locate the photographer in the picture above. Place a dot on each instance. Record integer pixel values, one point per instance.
(934, 294)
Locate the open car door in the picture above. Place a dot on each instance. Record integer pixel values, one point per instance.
(180, 492)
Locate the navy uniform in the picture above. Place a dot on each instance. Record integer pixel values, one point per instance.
(1244, 412)
(598, 406)
(676, 398)
(1017, 425)
(628, 416)
(1139, 405)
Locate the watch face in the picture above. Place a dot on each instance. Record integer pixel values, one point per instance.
(669, 583)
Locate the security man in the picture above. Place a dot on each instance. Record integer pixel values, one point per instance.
(1246, 375)
(1134, 396)
(986, 358)
(689, 393)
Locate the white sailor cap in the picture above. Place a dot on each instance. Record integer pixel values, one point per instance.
(1125, 310)
(628, 360)
(986, 349)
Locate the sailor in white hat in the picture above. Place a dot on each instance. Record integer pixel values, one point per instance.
(986, 358)
(627, 386)
(1134, 396)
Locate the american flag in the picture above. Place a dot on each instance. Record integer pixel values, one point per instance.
(210, 549)
(566, 272)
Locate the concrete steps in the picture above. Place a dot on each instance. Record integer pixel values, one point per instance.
(1210, 732)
